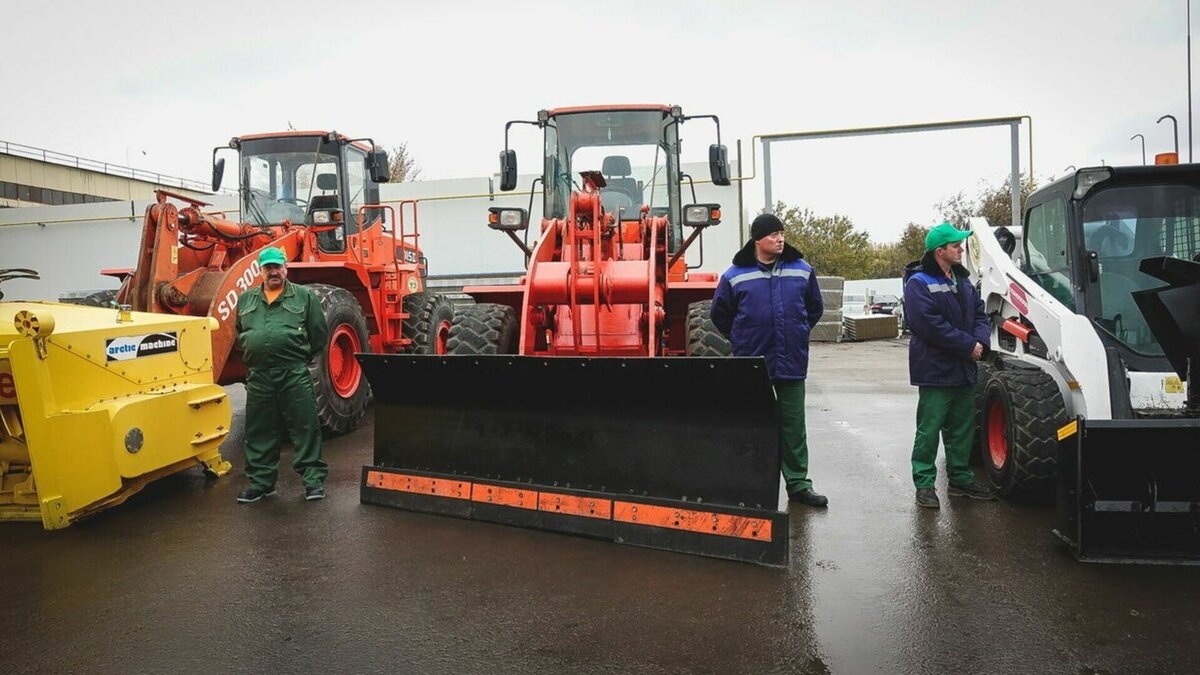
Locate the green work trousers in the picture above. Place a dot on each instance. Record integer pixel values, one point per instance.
(793, 437)
(280, 403)
(950, 412)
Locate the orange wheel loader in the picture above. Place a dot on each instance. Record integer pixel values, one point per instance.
(593, 397)
(315, 196)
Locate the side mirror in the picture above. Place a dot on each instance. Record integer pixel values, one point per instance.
(505, 218)
(508, 170)
(701, 215)
(377, 166)
(718, 164)
(218, 173)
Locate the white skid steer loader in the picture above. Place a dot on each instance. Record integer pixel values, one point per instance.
(1090, 390)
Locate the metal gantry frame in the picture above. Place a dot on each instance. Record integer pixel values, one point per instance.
(1013, 123)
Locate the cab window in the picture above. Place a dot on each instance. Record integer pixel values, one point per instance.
(1046, 260)
(356, 182)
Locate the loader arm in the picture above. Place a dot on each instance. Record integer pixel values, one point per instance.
(1010, 295)
(196, 264)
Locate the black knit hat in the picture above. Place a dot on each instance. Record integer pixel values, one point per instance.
(765, 224)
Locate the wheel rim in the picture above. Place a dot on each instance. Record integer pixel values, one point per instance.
(344, 371)
(441, 338)
(997, 434)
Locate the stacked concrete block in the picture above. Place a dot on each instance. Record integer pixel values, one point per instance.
(830, 327)
(874, 327)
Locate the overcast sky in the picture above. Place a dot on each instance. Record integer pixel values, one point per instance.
(161, 83)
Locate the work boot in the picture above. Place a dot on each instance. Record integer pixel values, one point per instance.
(253, 494)
(927, 498)
(973, 491)
(810, 498)
(314, 492)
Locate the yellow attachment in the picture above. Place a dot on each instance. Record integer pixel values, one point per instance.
(94, 406)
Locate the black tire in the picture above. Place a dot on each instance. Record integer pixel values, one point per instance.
(428, 322)
(703, 338)
(484, 328)
(98, 299)
(1022, 412)
(342, 391)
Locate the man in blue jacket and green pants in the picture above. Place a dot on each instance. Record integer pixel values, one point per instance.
(767, 304)
(950, 334)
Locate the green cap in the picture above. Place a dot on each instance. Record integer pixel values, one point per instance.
(944, 234)
(271, 256)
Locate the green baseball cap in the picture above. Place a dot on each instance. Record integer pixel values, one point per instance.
(272, 256)
(944, 234)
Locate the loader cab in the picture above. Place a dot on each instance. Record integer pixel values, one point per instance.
(637, 151)
(315, 178)
(1086, 236)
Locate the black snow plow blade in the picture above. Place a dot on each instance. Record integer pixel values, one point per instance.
(679, 454)
(1130, 490)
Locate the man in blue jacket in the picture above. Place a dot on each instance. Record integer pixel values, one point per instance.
(950, 334)
(767, 304)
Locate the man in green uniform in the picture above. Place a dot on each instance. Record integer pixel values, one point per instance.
(280, 328)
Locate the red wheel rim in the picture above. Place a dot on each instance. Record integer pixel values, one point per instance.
(997, 434)
(441, 337)
(344, 371)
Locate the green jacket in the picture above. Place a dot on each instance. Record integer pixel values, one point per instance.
(288, 332)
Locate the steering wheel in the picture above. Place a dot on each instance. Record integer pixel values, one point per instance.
(302, 203)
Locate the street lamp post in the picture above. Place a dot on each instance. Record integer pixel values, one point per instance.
(1143, 146)
(1175, 124)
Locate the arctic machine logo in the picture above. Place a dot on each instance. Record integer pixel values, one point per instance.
(137, 346)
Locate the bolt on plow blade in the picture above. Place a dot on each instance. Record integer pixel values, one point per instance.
(680, 454)
(1129, 490)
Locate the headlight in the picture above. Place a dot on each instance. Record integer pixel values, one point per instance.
(501, 218)
(1087, 179)
(701, 215)
(320, 217)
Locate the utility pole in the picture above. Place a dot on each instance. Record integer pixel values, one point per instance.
(1189, 73)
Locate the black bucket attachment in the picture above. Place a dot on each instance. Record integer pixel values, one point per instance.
(1129, 490)
(677, 453)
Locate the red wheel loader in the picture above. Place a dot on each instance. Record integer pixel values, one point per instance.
(315, 196)
(594, 397)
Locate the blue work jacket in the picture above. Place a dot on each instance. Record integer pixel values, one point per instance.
(769, 310)
(946, 317)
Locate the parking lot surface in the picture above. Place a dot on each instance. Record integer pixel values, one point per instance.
(181, 578)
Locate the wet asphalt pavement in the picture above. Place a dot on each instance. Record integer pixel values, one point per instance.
(181, 578)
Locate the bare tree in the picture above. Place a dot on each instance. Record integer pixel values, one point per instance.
(401, 165)
(994, 203)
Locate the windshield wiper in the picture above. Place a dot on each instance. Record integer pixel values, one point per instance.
(248, 199)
